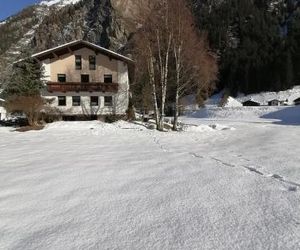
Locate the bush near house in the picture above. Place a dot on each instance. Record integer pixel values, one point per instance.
(22, 92)
(31, 106)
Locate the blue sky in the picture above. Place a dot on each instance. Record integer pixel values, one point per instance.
(10, 7)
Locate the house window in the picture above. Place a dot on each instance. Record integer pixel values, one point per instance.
(92, 61)
(75, 100)
(62, 101)
(107, 78)
(78, 62)
(94, 101)
(61, 77)
(85, 78)
(108, 101)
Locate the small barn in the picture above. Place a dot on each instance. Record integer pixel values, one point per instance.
(251, 103)
(297, 101)
(275, 102)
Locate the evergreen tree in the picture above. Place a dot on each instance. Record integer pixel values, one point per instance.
(257, 41)
(23, 91)
(26, 78)
(293, 43)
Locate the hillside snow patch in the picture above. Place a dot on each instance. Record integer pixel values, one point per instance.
(59, 2)
(231, 102)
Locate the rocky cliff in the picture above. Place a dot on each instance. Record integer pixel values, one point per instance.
(55, 22)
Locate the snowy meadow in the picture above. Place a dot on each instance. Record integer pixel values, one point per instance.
(229, 180)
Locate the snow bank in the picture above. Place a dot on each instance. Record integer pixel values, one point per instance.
(235, 113)
(220, 127)
(129, 125)
(78, 125)
(195, 128)
(94, 126)
(205, 128)
(231, 102)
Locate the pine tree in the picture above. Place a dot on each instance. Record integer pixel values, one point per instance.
(23, 91)
(257, 42)
(26, 77)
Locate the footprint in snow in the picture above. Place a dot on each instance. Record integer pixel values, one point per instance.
(251, 169)
(196, 155)
(276, 176)
(292, 189)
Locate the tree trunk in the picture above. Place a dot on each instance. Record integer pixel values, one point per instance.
(177, 55)
(154, 95)
(164, 82)
(176, 111)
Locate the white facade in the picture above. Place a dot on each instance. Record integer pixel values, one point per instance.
(122, 97)
(85, 107)
(47, 70)
(3, 113)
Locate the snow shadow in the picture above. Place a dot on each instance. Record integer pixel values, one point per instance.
(286, 116)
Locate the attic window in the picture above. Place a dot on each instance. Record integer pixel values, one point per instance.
(92, 61)
(78, 62)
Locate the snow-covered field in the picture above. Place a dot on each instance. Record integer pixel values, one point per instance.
(227, 182)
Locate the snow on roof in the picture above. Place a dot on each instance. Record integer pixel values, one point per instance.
(263, 98)
(249, 100)
(77, 42)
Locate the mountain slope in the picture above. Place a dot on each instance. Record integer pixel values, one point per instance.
(258, 41)
(54, 22)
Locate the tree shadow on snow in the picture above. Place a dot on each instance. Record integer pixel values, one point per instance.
(286, 116)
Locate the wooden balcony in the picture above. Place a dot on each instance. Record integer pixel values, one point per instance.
(82, 87)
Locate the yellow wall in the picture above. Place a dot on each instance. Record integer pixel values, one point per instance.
(66, 65)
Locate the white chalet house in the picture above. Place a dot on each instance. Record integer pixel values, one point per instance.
(84, 79)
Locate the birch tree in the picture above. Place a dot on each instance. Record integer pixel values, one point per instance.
(195, 66)
(153, 43)
(171, 50)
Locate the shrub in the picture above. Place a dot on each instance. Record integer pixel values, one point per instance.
(31, 106)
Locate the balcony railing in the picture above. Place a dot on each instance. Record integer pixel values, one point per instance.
(85, 87)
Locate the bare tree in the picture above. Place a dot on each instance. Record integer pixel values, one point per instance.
(31, 106)
(195, 66)
(170, 48)
(153, 50)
